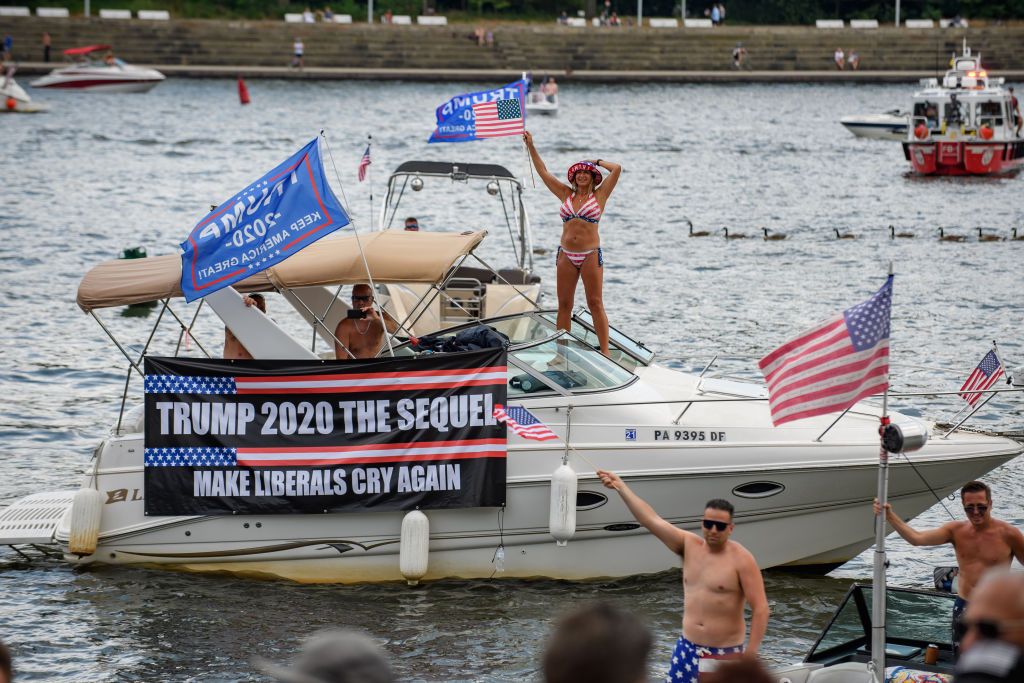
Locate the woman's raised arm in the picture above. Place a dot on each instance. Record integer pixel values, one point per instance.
(557, 187)
(613, 177)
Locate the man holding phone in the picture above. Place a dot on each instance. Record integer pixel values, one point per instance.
(720, 576)
(361, 332)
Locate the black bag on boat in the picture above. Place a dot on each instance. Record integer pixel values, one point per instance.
(472, 339)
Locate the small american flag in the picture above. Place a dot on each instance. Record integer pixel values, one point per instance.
(524, 423)
(364, 163)
(983, 377)
(830, 367)
(498, 118)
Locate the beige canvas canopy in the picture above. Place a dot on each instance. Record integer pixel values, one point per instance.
(393, 256)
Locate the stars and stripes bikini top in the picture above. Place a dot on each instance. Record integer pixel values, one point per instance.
(589, 212)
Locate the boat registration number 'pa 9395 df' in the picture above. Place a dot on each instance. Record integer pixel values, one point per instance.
(687, 435)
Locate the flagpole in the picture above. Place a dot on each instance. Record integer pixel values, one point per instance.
(359, 244)
(369, 174)
(878, 596)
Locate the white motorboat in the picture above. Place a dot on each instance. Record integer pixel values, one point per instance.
(539, 103)
(915, 621)
(892, 125)
(14, 99)
(801, 490)
(108, 74)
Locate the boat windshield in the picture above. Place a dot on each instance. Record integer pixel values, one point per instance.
(913, 619)
(624, 350)
(564, 362)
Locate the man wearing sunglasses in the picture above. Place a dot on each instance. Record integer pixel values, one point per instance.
(719, 577)
(362, 333)
(981, 542)
(992, 630)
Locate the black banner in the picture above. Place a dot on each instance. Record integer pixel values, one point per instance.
(262, 436)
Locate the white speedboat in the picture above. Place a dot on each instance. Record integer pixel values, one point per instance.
(802, 491)
(539, 103)
(107, 74)
(14, 99)
(916, 620)
(892, 125)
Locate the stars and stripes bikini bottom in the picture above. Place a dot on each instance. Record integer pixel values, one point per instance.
(686, 657)
(578, 257)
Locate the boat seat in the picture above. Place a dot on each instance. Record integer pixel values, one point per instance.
(482, 275)
(515, 276)
(846, 672)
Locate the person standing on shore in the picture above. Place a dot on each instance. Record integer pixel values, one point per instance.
(298, 53)
(839, 58)
(981, 543)
(719, 577)
(46, 46)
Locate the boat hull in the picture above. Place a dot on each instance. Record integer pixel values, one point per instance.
(819, 517)
(877, 127)
(957, 158)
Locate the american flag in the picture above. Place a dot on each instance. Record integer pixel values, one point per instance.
(498, 118)
(364, 163)
(983, 377)
(524, 423)
(830, 367)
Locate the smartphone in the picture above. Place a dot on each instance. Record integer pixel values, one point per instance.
(356, 313)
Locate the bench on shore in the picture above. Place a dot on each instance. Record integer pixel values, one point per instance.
(576, 22)
(401, 20)
(863, 23)
(697, 23)
(153, 15)
(948, 23)
(830, 23)
(656, 22)
(53, 12)
(115, 14)
(342, 19)
(14, 11)
(919, 23)
(432, 20)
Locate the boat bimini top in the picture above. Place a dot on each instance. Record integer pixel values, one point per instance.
(394, 256)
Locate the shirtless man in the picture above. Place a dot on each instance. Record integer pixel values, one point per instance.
(719, 576)
(233, 348)
(980, 542)
(362, 337)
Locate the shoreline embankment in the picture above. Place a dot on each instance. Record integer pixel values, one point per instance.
(263, 49)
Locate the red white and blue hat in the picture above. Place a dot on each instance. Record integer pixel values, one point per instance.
(585, 166)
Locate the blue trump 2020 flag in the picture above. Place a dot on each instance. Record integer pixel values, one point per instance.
(287, 209)
(455, 119)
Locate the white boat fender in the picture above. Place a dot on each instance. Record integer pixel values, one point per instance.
(414, 548)
(86, 513)
(562, 520)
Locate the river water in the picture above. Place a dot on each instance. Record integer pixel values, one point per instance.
(101, 173)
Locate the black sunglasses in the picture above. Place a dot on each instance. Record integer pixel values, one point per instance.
(989, 630)
(980, 509)
(714, 524)
(361, 298)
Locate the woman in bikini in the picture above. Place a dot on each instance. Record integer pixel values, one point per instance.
(579, 253)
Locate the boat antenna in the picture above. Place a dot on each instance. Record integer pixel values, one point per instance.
(878, 600)
(362, 254)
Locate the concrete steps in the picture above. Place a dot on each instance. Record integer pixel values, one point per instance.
(517, 47)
